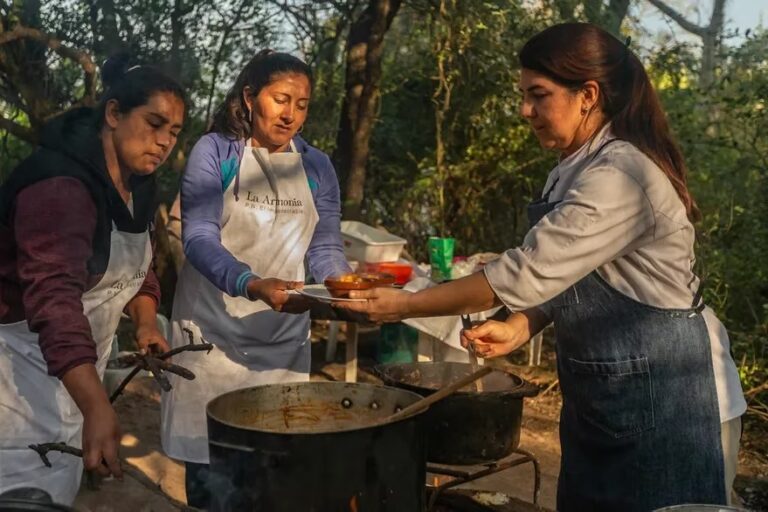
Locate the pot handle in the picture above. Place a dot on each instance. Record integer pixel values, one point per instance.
(231, 446)
(381, 372)
(528, 389)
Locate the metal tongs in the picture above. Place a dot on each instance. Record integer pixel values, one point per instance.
(156, 364)
(466, 323)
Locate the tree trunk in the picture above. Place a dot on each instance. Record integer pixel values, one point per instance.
(442, 100)
(710, 37)
(173, 229)
(110, 42)
(365, 44)
(711, 40)
(169, 252)
(163, 259)
(615, 14)
(220, 56)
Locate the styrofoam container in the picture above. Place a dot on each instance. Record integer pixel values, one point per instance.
(368, 244)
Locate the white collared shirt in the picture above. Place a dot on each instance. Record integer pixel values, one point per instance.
(620, 215)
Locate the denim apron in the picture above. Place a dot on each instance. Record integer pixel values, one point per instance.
(639, 426)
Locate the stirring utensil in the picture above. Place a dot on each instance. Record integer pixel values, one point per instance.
(439, 395)
(466, 322)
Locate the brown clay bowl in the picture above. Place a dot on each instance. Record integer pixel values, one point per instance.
(342, 285)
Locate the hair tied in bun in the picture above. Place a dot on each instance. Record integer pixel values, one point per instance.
(115, 67)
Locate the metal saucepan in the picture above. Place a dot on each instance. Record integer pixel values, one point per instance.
(468, 427)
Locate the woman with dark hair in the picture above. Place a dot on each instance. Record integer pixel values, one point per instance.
(651, 396)
(75, 252)
(256, 200)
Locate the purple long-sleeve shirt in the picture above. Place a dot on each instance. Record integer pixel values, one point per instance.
(212, 165)
(43, 270)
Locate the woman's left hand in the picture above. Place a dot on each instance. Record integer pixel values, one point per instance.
(150, 340)
(381, 304)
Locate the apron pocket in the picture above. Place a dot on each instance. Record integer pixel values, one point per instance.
(614, 396)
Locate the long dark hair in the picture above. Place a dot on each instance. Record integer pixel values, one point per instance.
(231, 116)
(132, 85)
(573, 53)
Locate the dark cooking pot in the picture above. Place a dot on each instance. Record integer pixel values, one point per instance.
(29, 499)
(316, 446)
(468, 427)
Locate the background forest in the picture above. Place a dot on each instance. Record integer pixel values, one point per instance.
(416, 100)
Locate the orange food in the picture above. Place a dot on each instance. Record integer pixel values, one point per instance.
(341, 286)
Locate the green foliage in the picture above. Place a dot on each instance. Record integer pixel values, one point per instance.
(724, 135)
(493, 166)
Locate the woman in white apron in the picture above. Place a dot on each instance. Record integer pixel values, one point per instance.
(75, 217)
(649, 386)
(256, 201)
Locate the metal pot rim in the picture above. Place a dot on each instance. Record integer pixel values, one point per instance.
(209, 414)
(522, 389)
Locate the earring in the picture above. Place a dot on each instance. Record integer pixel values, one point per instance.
(584, 110)
(250, 116)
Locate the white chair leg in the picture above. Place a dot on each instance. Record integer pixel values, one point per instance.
(351, 346)
(534, 350)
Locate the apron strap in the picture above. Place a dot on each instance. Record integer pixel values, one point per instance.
(545, 195)
(698, 304)
(237, 184)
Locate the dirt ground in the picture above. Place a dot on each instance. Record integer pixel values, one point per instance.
(153, 482)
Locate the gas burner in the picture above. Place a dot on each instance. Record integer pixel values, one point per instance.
(460, 476)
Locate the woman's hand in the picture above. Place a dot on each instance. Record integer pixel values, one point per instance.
(272, 291)
(150, 340)
(493, 339)
(381, 305)
(143, 312)
(101, 440)
(101, 432)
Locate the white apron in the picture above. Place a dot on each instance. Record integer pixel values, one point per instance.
(36, 407)
(268, 225)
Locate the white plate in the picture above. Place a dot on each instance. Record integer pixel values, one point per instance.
(321, 293)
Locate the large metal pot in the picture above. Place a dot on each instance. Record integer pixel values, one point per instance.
(29, 499)
(316, 446)
(470, 426)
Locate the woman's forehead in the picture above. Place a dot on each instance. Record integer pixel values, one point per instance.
(530, 78)
(167, 105)
(289, 81)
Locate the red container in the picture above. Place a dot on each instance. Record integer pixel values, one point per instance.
(401, 271)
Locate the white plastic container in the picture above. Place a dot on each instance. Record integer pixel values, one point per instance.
(367, 244)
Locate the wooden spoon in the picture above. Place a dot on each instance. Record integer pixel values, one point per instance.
(439, 395)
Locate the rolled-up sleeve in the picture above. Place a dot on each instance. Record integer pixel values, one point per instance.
(326, 252)
(202, 203)
(54, 222)
(600, 218)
